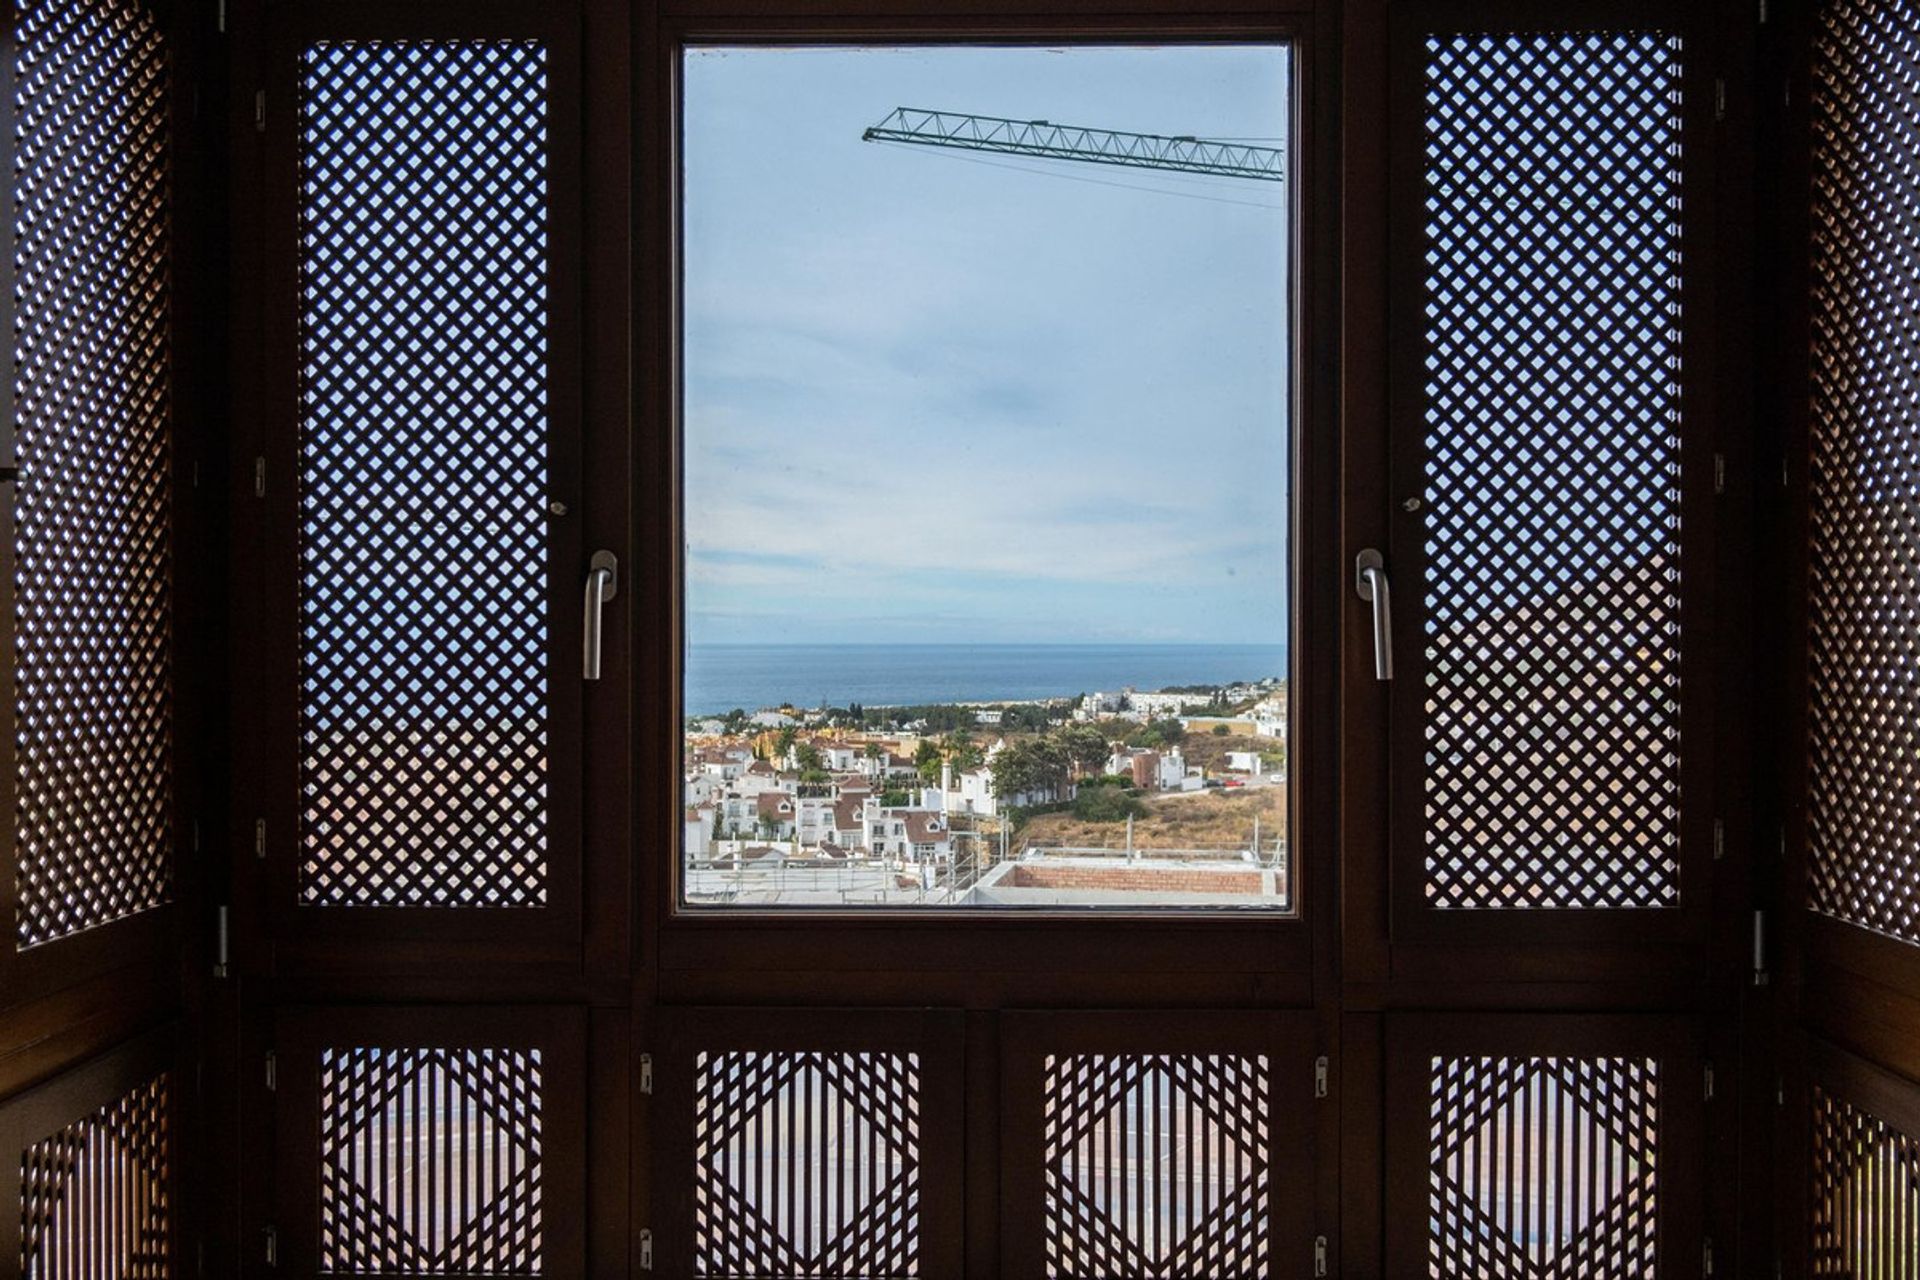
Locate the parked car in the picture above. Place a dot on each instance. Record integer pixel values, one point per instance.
(1236, 782)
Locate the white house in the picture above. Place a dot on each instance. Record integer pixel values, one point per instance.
(910, 835)
(1244, 761)
(698, 840)
(775, 815)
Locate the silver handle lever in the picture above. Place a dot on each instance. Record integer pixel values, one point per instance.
(1370, 584)
(603, 583)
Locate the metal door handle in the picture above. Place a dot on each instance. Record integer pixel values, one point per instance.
(603, 583)
(1370, 584)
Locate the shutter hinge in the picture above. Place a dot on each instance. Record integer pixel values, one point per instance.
(259, 477)
(1719, 473)
(1719, 98)
(1708, 1090)
(1319, 1255)
(272, 1235)
(646, 1250)
(220, 941)
(1706, 1256)
(220, 17)
(1779, 1091)
(646, 1074)
(259, 837)
(260, 111)
(1719, 839)
(1760, 978)
(1763, 12)
(1320, 1077)
(273, 1072)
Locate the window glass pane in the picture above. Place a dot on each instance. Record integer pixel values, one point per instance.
(986, 375)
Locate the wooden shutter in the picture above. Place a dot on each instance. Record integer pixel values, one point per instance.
(1533, 1147)
(87, 587)
(420, 771)
(1551, 479)
(820, 1143)
(442, 1141)
(91, 1159)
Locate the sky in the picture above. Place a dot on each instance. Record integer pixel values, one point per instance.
(938, 395)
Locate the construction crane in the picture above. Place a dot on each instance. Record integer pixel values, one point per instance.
(1071, 142)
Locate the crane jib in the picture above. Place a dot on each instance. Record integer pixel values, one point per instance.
(1045, 139)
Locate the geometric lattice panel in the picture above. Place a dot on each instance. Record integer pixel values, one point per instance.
(1866, 1194)
(1549, 403)
(1543, 1168)
(430, 1161)
(95, 1202)
(1157, 1165)
(1863, 642)
(807, 1164)
(92, 406)
(423, 474)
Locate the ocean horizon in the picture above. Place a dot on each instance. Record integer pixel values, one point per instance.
(720, 677)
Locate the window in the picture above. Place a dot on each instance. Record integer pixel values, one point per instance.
(986, 379)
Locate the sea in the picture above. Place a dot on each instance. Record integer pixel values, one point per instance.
(752, 676)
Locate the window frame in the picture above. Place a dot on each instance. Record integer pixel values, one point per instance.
(916, 954)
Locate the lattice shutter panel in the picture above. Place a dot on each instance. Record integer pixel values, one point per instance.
(92, 404)
(430, 1161)
(1156, 1165)
(423, 483)
(1550, 413)
(807, 1164)
(95, 1201)
(1543, 1168)
(1863, 642)
(1866, 1194)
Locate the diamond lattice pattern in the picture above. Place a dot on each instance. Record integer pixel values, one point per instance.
(92, 393)
(430, 1161)
(1543, 1168)
(1866, 1194)
(1156, 1166)
(1863, 640)
(95, 1198)
(1550, 412)
(807, 1165)
(423, 475)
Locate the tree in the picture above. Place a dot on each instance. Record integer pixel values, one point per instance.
(1221, 731)
(1086, 746)
(875, 751)
(926, 758)
(1037, 764)
(1158, 733)
(961, 750)
(785, 739)
(807, 756)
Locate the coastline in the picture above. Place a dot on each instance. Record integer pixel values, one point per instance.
(720, 678)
